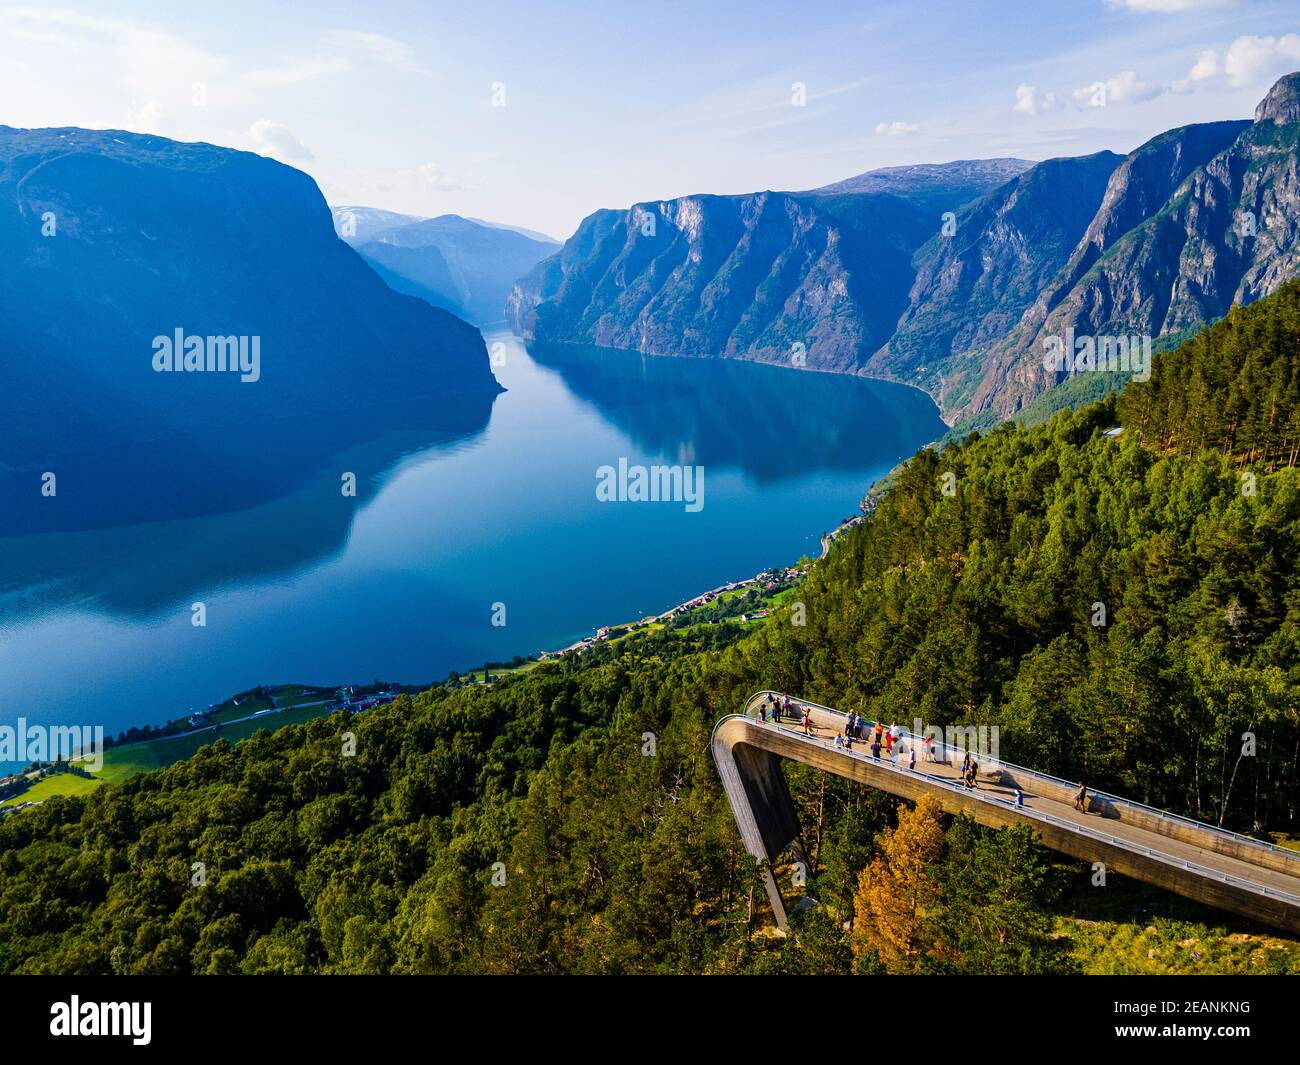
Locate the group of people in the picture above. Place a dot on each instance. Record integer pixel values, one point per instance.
(880, 738)
(780, 706)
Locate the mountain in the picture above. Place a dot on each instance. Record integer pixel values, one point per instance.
(116, 241)
(816, 278)
(872, 275)
(359, 225)
(420, 272)
(936, 607)
(972, 286)
(934, 186)
(461, 264)
(747, 276)
(1130, 251)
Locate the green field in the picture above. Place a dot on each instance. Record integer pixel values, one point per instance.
(121, 763)
(287, 695)
(475, 676)
(284, 702)
(228, 711)
(58, 784)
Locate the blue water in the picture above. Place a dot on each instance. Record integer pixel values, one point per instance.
(400, 582)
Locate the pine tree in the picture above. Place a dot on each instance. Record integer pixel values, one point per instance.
(896, 891)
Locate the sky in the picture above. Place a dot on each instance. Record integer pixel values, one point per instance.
(536, 114)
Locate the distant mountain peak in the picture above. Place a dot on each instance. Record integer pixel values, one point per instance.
(464, 265)
(900, 180)
(951, 276)
(532, 234)
(357, 224)
(1282, 103)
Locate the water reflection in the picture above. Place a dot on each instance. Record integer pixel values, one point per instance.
(772, 422)
(455, 511)
(142, 532)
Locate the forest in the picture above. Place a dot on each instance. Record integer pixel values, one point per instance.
(1123, 607)
(1232, 388)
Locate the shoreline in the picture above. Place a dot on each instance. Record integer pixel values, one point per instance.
(782, 575)
(360, 703)
(788, 575)
(775, 364)
(702, 599)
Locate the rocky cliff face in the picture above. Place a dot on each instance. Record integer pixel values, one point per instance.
(113, 240)
(1227, 233)
(545, 279)
(863, 274)
(750, 276)
(1282, 104)
(1093, 297)
(813, 279)
(975, 279)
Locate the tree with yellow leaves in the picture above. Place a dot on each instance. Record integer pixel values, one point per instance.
(896, 890)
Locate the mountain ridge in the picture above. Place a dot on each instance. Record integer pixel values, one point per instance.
(878, 280)
(461, 264)
(116, 240)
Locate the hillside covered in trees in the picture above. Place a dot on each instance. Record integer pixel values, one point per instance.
(1233, 388)
(1122, 608)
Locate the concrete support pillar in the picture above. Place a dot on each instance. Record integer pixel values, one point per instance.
(761, 802)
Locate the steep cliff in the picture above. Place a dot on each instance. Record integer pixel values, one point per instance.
(951, 276)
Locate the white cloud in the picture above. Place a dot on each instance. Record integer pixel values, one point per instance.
(293, 72)
(1247, 61)
(148, 61)
(386, 51)
(1206, 66)
(1250, 60)
(149, 119)
(428, 177)
(1128, 88)
(896, 129)
(156, 64)
(1166, 7)
(1123, 88)
(1029, 101)
(271, 138)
